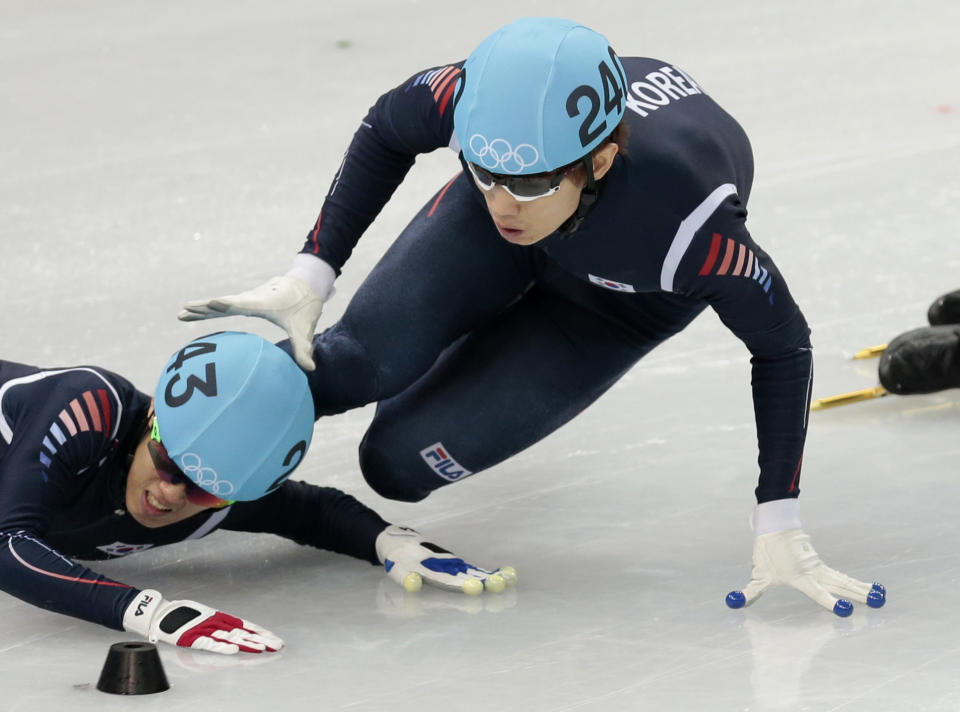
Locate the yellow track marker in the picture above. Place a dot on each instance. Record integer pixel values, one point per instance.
(851, 397)
(871, 351)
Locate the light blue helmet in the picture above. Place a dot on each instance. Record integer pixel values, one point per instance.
(235, 413)
(538, 94)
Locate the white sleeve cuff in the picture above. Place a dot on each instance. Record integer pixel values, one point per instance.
(317, 274)
(776, 516)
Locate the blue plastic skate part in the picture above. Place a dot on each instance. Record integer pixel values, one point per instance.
(843, 608)
(877, 596)
(736, 599)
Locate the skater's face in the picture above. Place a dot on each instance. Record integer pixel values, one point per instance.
(525, 222)
(158, 493)
(151, 500)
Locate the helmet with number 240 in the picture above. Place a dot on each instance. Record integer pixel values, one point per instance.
(536, 95)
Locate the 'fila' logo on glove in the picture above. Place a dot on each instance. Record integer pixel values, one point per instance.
(142, 605)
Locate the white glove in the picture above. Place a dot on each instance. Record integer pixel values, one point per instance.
(409, 560)
(287, 301)
(788, 558)
(189, 624)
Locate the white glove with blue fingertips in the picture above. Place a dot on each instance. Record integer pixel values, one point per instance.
(409, 560)
(784, 556)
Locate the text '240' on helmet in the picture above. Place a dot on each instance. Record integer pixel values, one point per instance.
(538, 94)
(235, 413)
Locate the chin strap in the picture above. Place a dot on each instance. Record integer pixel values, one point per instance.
(588, 196)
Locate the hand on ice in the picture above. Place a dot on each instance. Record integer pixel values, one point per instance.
(409, 560)
(787, 558)
(189, 624)
(784, 556)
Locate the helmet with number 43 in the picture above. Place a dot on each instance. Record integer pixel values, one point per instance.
(235, 413)
(537, 95)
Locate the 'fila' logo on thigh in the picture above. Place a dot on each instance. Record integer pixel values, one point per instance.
(443, 464)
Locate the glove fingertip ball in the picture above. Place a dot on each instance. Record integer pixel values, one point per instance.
(472, 587)
(412, 582)
(495, 583)
(509, 575)
(843, 608)
(876, 599)
(736, 599)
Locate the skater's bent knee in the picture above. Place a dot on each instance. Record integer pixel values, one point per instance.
(388, 478)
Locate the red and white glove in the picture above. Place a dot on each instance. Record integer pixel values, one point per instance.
(784, 556)
(189, 624)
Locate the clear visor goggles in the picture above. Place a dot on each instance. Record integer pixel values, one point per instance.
(520, 188)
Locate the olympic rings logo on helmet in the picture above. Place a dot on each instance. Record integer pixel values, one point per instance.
(499, 156)
(205, 477)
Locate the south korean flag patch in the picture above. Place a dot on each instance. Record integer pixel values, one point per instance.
(118, 548)
(611, 284)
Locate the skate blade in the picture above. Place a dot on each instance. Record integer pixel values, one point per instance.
(870, 351)
(846, 398)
